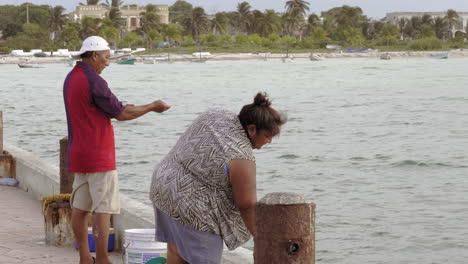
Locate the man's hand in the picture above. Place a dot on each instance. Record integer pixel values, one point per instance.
(159, 106)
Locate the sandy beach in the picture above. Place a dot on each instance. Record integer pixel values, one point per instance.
(9, 59)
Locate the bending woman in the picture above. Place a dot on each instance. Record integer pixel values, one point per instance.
(204, 190)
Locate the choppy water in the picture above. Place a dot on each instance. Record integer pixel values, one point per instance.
(379, 146)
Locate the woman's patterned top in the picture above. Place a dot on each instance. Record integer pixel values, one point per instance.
(190, 184)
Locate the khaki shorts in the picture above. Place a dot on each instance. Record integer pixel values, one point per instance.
(96, 192)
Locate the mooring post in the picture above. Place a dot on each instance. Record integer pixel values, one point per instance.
(285, 226)
(7, 162)
(1, 132)
(66, 178)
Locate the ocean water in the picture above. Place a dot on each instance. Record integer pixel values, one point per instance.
(379, 146)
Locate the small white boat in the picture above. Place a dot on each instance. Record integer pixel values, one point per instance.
(201, 56)
(288, 58)
(29, 65)
(315, 57)
(444, 55)
(385, 56)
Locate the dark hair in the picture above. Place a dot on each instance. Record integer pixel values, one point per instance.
(87, 54)
(262, 115)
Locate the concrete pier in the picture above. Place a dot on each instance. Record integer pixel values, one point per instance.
(22, 237)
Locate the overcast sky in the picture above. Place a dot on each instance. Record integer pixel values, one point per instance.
(372, 8)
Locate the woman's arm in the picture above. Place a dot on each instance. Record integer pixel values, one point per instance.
(242, 174)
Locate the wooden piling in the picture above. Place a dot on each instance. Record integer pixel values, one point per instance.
(7, 162)
(285, 225)
(1, 132)
(66, 178)
(57, 221)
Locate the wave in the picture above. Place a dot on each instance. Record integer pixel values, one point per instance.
(289, 156)
(405, 163)
(359, 159)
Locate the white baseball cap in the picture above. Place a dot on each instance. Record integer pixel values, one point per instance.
(93, 43)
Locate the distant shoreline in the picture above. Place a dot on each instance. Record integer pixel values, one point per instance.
(8, 59)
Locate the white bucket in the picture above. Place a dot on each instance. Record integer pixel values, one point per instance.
(141, 247)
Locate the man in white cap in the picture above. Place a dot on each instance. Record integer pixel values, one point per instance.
(90, 105)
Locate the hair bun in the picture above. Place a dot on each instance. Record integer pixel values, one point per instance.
(261, 99)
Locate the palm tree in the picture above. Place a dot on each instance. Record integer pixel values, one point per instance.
(427, 19)
(244, 16)
(441, 28)
(300, 7)
(452, 20)
(293, 22)
(56, 20)
(199, 23)
(114, 3)
(268, 23)
(116, 17)
(89, 27)
(150, 21)
(313, 20)
(219, 23)
(91, 2)
(402, 24)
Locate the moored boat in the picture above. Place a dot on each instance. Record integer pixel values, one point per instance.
(128, 61)
(315, 57)
(29, 65)
(444, 55)
(385, 56)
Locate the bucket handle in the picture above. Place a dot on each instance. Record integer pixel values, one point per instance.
(125, 246)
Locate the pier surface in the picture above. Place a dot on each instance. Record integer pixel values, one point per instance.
(22, 234)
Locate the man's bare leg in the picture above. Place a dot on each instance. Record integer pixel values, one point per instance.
(79, 223)
(101, 236)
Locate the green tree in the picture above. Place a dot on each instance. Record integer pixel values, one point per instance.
(116, 17)
(114, 3)
(320, 36)
(241, 40)
(37, 15)
(441, 28)
(268, 23)
(452, 20)
(179, 11)
(209, 40)
(293, 23)
(56, 20)
(89, 27)
(354, 37)
(71, 36)
(372, 29)
(131, 38)
(219, 23)
(244, 17)
(173, 32)
(199, 23)
(150, 20)
(426, 31)
(111, 34)
(297, 7)
(91, 2)
(11, 30)
(32, 37)
(390, 35)
(153, 36)
(255, 39)
(338, 20)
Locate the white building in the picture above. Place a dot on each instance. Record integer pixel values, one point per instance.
(461, 26)
(131, 14)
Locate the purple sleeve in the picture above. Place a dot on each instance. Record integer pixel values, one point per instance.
(104, 99)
